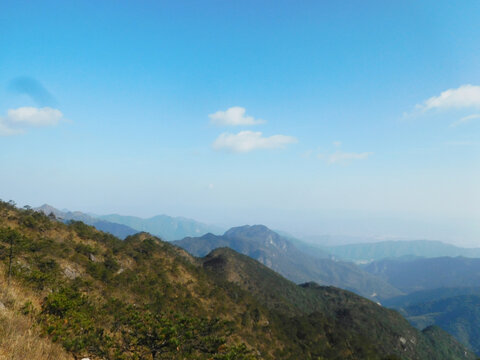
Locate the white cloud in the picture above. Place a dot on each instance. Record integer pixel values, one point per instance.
(18, 120)
(466, 96)
(32, 116)
(337, 143)
(465, 120)
(343, 157)
(233, 116)
(246, 141)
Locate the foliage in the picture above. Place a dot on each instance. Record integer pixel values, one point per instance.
(142, 298)
(459, 315)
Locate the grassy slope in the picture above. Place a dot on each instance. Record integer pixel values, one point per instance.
(20, 337)
(145, 299)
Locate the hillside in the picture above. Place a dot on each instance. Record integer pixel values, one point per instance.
(456, 310)
(440, 291)
(281, 255)
(425, 274)
(143, 298)
(367, 252)
(459, 315)
(314, 306)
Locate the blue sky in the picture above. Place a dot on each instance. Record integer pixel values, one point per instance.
(315, 117)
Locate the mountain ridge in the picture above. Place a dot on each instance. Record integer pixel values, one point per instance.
(166, 227)
(281, 255)
(116, 229)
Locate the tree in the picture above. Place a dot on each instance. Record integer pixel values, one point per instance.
(14, 239)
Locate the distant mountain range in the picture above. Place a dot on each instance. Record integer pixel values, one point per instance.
(427, 274)
(423, 296)
(281, 255)
(166, 227)
(119, 230)
(367, 252)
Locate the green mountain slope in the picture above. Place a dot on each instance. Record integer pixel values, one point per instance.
(315, 310)
(283, 256)
(457, 314)
(143, 298)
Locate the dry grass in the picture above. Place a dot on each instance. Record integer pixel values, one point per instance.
(20, 339)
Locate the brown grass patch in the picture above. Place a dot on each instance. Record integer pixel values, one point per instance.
(20, 338)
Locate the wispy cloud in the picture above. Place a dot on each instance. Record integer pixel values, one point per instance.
(33, 88)
(246, 141)
(340, 156)
(344, 157)
(20, 119)
(464, 120)
(466, 96)
(233, 116)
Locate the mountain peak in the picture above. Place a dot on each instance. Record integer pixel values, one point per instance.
(48, 209)
(251, 231)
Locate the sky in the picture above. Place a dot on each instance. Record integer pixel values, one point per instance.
(313, 117)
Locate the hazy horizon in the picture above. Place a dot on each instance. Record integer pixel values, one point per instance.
(329, 230)
(355, 119)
